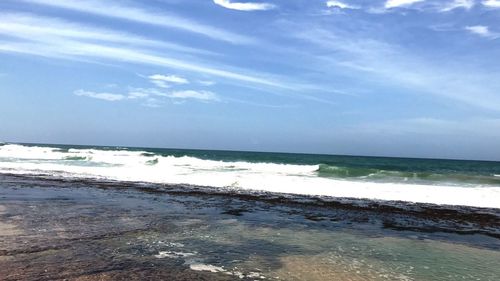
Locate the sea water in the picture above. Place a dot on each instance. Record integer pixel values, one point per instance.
(448, 182)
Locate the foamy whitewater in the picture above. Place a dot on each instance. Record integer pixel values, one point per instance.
(306, 179)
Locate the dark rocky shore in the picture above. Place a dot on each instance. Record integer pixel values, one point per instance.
(57, 229)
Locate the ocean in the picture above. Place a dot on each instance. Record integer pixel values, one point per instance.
(432, 181)
(115, 213)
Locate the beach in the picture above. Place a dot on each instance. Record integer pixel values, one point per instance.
(70, 229)
(348, 140)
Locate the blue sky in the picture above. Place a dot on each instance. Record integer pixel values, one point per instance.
(413, 78)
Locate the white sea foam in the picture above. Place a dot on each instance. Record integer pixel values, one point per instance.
(206, 267)
(128, 165)
(173, 254)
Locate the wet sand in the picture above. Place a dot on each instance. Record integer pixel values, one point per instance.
(7, 229)
(71, 230)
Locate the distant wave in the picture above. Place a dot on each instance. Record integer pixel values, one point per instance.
(77, 158)
(325, 180)
(373, 174)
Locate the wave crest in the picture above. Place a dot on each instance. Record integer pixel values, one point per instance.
(322, 179)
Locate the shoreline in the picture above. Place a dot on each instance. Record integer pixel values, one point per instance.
(444, 218)
(431, 195)
(186, 188)
(88, 230)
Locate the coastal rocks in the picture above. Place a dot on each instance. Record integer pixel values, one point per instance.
(80, 230)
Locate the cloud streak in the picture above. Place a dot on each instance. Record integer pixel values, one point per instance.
(482, 30)
(114, 9)
(100, 96)
(150, 96)
(33, 27)
(400, 3)
(196, 95)
(491, 3)
(206, 82)
(395, 66)
(61, 39)
(165, 81)
(456, 4)
(340, 5)
(240, 6)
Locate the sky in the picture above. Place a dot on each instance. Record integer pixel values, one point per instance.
(410, 78)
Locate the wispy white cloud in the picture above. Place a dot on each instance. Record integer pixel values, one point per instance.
(60, 47)
(400, 3)
(62, 39)
(456, 4)
(196, 95)
(133, 94)
(199, 95)
(147, 92)
(115, 9)
(101, 96)
(428, 6)
(478, 29)
(482, 30)
(152, 97)
(247, 6)
(340, 5)
(397, 67)
(166, 81)
(206, 82)
(491, 3)
(160, 83)
(169, 78)
(137, 95)
(33, 27)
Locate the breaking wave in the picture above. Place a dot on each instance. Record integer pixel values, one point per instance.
(452, 188)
